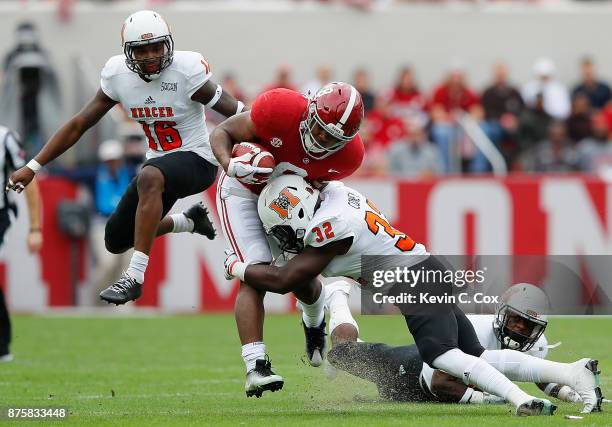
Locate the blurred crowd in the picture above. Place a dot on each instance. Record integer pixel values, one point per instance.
(539, 126)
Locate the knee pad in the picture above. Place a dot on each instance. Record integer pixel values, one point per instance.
(336, 302)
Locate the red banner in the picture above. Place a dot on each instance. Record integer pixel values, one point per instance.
(519, 215)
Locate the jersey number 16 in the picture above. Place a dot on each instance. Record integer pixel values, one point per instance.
(167, 136)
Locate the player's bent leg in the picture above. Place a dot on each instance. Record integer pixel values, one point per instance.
(193, 220)
(118, 238)
(151, 182)
(342, 325)
(244, 233)
(474, 370)
(150, 186)
(249, 313)
(394, 370)
(582, 375)
(436, 337)
(467, 340)
(119, 229)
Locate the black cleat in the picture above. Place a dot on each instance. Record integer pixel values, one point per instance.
(124, 290)
(315, 343)
(262, 378)
(201, 223)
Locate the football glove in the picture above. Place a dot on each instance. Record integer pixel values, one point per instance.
(241, 169)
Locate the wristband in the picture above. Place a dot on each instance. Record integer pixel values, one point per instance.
(34, 166)
(238, 270)
(240, 107)
(35, 229)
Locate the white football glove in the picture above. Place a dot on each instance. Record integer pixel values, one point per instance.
(233, 267)
(241, 169)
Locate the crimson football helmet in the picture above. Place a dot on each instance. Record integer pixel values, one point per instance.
(337, 109)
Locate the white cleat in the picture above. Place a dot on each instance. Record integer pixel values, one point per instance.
(586, 384)
(6, 358)
(535, 407)
(262, 379)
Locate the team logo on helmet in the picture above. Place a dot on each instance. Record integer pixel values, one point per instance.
(276, 142)
(284, 202)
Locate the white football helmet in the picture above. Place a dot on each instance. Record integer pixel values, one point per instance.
(286, 206)
(143, 28)
(526, 304)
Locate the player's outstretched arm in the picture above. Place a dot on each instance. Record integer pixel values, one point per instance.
(239, 128)
(63, 139)
(213, 96)
(34, 203)
(299, 271)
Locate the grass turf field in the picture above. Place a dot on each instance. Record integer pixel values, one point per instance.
(187, 370)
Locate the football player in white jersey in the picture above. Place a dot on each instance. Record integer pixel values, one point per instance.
(165, 91)
(399, 372)
(331, 231)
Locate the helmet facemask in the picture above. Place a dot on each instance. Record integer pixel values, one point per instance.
(139, 66)
(513, 339)
(288, 240)
(286, 206)
(310, 144)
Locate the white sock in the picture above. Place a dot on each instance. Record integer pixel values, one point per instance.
(181, 223)
(519, 366)
(313, 314)
(251, 352)
(138, 266)
(473, 370)
(339, 310)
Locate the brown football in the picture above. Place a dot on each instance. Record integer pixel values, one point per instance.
(260, 156)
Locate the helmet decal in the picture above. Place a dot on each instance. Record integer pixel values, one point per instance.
(286, 206)
(284, 202)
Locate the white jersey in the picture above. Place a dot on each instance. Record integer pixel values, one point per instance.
(170, 119)
(345, 212)
(483, 325)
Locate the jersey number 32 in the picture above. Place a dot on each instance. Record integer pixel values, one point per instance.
(376, 222)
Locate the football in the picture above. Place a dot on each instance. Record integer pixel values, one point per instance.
(259, 156)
